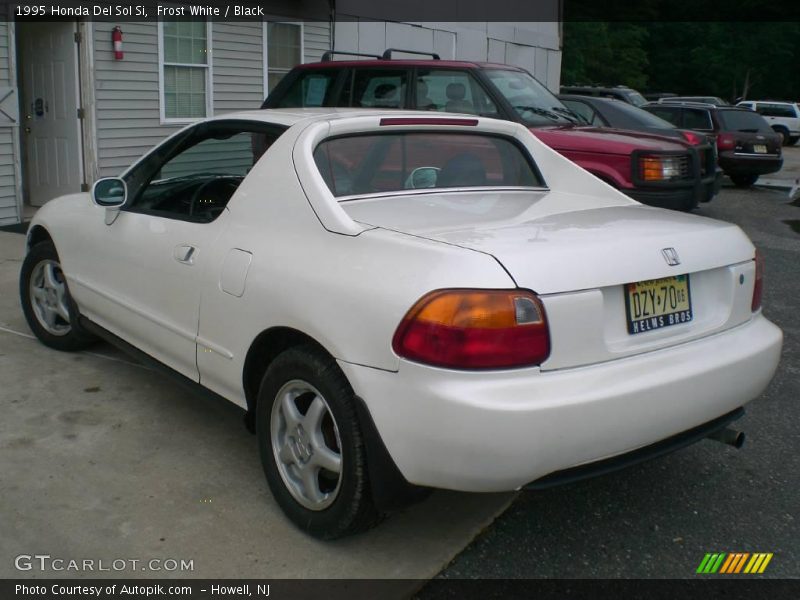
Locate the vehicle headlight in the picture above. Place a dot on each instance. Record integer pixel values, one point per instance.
(662, 168)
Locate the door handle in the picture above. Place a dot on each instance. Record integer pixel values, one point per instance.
(184, 254)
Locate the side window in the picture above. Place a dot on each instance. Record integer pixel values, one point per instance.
(696, 119)
(310, 89)
(774, 110)
(671, 115)
(376, 88)
(452, 91)
(585, 111)
(193, 177)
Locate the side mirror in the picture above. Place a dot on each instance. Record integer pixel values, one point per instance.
(423, 177)
(109, 192)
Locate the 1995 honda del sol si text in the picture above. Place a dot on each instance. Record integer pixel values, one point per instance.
(403, 301)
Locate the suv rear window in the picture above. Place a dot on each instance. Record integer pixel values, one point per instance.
(390, 162)
(743, 120)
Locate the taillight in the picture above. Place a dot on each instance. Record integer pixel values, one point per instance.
(475, 329)
(693, 138)
(725, 141)
(758, 286)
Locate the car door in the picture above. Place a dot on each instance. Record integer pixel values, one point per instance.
(143, 281)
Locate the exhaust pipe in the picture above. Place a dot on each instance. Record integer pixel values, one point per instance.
(729, 436)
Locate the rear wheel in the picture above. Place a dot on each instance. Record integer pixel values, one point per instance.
(793, 140)
(784, 133)
(49, 309)
(743, 181)
(311, 444)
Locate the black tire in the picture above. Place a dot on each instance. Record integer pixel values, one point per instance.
(793, 140)
(352, 509)
(784, 133)
(72, 337)
(743, 181)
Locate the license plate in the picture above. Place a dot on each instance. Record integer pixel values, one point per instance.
(759, 148)
(658, 303)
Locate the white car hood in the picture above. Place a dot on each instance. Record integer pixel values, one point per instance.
(555, 242)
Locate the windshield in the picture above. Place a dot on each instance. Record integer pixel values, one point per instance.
(635, 98)
(533, 102)
(374, 163)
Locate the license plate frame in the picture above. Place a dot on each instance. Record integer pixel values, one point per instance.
(760, 148)
(640, 318)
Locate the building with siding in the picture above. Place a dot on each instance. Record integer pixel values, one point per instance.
(70, 111)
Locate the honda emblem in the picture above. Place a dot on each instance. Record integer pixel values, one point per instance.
(671, 256)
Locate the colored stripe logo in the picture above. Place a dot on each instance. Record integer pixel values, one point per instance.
(734, 563)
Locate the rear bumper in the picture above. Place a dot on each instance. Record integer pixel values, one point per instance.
(749, 164)
(498, 431)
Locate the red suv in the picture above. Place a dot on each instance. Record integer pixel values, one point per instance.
(655, 170)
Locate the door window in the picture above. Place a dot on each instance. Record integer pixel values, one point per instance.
(696, 119)
(584, 111)
(774, 110)
(452, 91)
(310, 89)
(192, 177)
(672, 115)
(376, 88)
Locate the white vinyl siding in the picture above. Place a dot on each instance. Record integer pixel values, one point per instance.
(238, 67)
(9, 161)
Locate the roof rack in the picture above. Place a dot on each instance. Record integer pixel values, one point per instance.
(327, 56)
(685, 102)
(387, 55)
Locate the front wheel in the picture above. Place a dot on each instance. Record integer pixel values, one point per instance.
(743, 181)
(48, 307)
(311, 444)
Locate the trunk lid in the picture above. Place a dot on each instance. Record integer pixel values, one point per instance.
(555, 242)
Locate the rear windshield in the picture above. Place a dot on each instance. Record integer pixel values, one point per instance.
(743, 120)
(377, 163)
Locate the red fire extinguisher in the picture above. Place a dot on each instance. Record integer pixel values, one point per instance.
(116, 38)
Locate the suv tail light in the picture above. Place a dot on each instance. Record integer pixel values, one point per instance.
(695, 139)
(725, 141)
(758, 286)
(475, 329)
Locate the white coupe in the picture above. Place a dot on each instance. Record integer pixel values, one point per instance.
(404, 301)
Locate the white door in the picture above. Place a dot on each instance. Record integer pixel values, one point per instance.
(48, 63)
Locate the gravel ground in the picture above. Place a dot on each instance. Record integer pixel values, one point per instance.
(657, 520)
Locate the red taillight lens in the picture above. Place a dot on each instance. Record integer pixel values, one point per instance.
(475, 329)
(725, 141)
(693, 138)
(758, 287)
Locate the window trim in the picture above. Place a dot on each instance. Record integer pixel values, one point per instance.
(265, 49)
(209, 67)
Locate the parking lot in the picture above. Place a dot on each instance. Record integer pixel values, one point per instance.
(101, 458)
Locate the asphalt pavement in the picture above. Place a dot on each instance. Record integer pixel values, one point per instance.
(659, 519)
